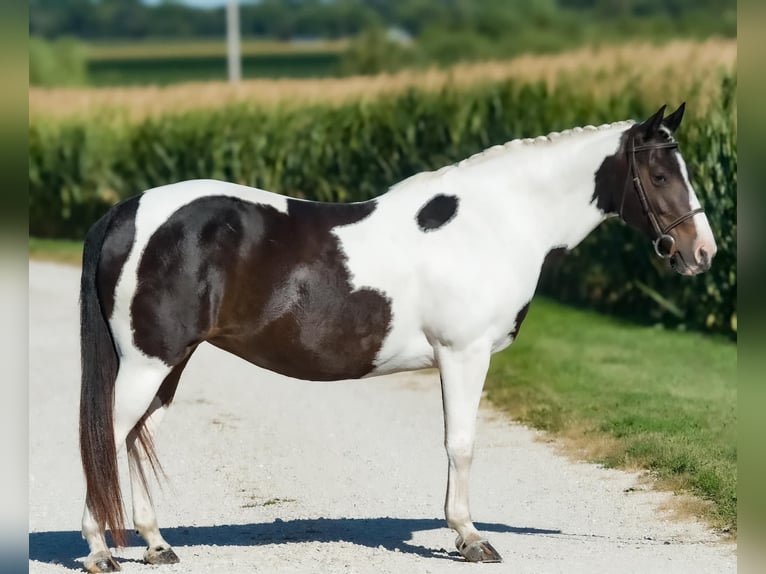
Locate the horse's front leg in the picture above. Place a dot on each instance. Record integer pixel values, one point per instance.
(462, 376)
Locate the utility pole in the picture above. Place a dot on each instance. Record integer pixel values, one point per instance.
(232, 41)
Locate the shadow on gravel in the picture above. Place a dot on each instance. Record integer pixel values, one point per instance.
(390, 533)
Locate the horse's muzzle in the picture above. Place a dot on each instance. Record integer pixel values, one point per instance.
(679, 265)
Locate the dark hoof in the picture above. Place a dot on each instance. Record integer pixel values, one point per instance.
(101, 562)
(479, 551)
(160, 555)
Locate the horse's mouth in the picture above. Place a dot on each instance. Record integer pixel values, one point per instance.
(679, 265)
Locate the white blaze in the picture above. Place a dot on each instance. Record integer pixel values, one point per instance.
(705, 237)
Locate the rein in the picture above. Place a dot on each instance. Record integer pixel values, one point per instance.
(663, 242)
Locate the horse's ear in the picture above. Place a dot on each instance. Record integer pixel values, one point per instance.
(674, 120)
(651, 125)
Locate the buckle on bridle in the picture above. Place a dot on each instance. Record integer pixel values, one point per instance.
(664, 240)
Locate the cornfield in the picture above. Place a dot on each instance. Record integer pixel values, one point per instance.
(347, 149)
(609, 70)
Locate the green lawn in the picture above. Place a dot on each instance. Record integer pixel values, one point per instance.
(195, 47)
(659, 400)
(166, 62)
(167, 70)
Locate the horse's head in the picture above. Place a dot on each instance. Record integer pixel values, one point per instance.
(656, 196)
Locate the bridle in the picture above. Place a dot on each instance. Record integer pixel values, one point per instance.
(663, 242)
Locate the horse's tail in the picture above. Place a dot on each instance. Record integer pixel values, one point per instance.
(99, 372)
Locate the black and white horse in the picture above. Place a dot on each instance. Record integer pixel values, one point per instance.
(437, 272)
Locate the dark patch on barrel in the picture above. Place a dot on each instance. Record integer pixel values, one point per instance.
(270, 287)
(520, 316)
(115, 251)
(439, 211)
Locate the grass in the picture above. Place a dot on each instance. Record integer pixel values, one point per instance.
(193, 48)
(629, 397)
(636, 68)
(124, 71)
(622, 395)
(162, 62)
(56, 250)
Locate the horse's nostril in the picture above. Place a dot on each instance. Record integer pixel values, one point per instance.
(702, 256)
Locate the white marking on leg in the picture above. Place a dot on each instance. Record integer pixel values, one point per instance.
(462, 373)
(137, 384)
(92, 533)
(144, 517)
(138, 381)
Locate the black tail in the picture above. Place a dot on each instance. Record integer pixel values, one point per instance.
(99, 372)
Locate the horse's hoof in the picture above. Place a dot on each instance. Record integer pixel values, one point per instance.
(160, 555)
(478, 551)
(101, 562)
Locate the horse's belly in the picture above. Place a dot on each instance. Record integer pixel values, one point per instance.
(413, 354)
(292, 360)
(332, 337)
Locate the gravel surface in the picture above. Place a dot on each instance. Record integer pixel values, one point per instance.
(267, 474)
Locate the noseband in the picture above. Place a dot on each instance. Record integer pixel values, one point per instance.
(663, 242)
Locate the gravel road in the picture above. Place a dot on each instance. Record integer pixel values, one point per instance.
(267, 474)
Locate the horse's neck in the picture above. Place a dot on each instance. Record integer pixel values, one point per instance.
(547, 187)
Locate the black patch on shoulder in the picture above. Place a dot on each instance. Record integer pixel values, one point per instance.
(115, 250)
(439, 211)
(520, 316)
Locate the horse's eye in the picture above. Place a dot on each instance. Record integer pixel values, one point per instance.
(658, 179)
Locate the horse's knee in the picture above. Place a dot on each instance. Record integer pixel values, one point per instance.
(460, 452)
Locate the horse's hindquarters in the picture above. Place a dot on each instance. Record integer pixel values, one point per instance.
(268, 286)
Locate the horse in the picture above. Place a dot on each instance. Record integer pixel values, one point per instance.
(438, 272)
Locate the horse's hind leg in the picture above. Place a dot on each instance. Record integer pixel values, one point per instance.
(99, 558)
(140, 459)
(136, 386)
(462, 374)
(144, 519)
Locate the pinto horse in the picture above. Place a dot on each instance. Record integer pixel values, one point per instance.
(437, 272)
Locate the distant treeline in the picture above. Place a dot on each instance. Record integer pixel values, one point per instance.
(490, 20)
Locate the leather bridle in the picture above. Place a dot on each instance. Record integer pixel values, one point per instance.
(663, 242)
